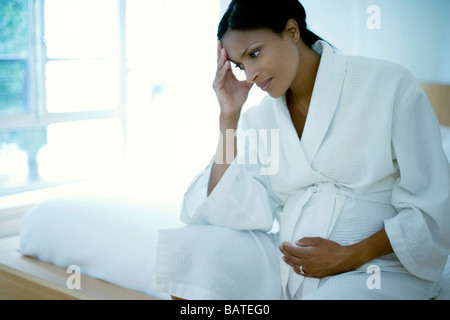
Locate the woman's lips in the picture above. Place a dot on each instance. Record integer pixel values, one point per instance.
(265, 85)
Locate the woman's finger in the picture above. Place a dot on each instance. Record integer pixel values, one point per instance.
(219, 49)
(296, 267)
(223, 58)
(297, 264)
(294, 250)
(291, 257)
(221, 74)
(220, 63)
(290, 262)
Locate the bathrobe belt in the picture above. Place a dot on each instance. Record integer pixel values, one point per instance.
(295, 225)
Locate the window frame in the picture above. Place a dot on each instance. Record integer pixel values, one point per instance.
(8, 122)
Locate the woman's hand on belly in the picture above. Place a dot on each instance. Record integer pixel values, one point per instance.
(318, 257)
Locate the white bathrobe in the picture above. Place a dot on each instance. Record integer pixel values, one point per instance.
(370, 157)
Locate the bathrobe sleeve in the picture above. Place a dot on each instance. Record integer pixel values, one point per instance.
(242, 199)
(420, 232)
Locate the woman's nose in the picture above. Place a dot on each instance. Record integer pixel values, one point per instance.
(251, 76)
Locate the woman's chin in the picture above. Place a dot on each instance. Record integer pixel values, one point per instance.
(275, 94)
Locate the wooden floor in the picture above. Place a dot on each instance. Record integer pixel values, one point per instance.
(26, 278)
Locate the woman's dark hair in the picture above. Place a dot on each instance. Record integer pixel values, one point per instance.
(265, 14)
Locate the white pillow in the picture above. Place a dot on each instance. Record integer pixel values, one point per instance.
(112, 240)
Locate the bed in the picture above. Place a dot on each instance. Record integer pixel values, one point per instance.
(109, 239)
(115, 240)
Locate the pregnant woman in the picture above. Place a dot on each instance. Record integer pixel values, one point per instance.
(361, 183)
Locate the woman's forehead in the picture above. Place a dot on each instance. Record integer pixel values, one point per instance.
(236, 42)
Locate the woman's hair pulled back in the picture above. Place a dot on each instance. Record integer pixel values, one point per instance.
(265, 14)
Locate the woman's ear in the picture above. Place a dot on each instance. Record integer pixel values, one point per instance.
(291, 30)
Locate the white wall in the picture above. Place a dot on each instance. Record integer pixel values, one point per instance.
(413, 33)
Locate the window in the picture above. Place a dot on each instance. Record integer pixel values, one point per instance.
(90, 88)
(62, 91)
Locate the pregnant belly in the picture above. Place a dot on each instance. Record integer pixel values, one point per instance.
(359, 219)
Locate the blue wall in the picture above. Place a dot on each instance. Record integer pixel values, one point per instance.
(413, 33)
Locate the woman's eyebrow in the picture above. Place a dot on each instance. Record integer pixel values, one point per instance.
(246, 50)
(244, 53)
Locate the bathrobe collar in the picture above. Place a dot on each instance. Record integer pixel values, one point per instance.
(324, 100)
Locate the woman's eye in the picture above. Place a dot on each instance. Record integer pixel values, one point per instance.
(255, 53)
(239, 66)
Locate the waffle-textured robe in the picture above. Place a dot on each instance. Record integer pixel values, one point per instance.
(370, 157)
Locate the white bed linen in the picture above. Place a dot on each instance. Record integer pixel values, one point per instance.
(112, 240)
(115, 240)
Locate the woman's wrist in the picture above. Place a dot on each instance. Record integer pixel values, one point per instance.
(357, 255)
(229, 120)
(370, 248)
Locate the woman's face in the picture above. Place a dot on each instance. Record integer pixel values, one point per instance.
(269, 60)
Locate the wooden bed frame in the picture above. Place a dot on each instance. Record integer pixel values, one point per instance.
(26, 278)
(439, 97)
(23, 277)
